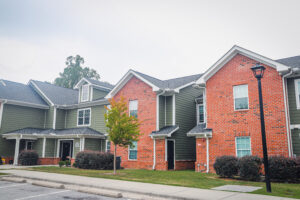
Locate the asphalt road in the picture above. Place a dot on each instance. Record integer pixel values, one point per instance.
(22, 191)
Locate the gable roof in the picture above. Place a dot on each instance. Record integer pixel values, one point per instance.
(174, 84)
(96, 83)
(20, 94)
(293, 62)
(280, 67)
(56, 95)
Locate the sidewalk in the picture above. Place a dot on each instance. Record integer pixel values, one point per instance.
(156, 190)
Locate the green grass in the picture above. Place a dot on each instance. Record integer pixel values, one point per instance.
(178, 178)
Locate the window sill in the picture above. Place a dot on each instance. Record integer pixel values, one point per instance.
(83, 125)
(242, 110)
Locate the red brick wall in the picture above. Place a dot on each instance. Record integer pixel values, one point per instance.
(184, 164)
(161, 163)
(228, 124)
(136, 89)
(201, 159)
(48, 161)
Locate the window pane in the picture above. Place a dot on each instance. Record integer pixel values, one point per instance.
(80, 121)
(133, 146)
(133, 154)
(241, 103)
(85, 93)
(86, 120)
(201, 113)
(133, 108)
(87, 113)
(80, 113)
(108, 146)
(133, 113)
(240, 91)
(243, 146)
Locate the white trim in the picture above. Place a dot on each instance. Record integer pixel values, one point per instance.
(174, 152)
(239, 50)
(174, 110)
(1, 111)
(242, 149)
(45, 117)
(154, 154)
(165, 110)
(184, 86)
(166, 155)
(207, 155)
(125, 79)
(26, 144)
(295, 126)
(297, 93)
(106, 149)
(66, 115)
(136, 152)
(59, 154)
(22, 103)
(157, 109)
(204, 110)
(54, 118)
(92, 93)
(44, 147)
(88, 93)
(83, 143)
(17, 149)
(234, 98)
(83, 117)
(36, 87)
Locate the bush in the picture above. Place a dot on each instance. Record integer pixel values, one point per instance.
(298, 167)
(68, 163)
(226, 166)
(28, 157)
(61, 163)
(94, 160)
(1, 161)
(282, 168)
(249, 167)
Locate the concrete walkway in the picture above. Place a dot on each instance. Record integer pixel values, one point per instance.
(20, 167)
(153, 190)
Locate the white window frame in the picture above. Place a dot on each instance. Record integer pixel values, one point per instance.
(136, 152)
(26, 144)
(83, 116)
(236, 150)
(137, 106)
(297, 93)
(204, 111)
(234, 98)
(106, 150)
(88, 92)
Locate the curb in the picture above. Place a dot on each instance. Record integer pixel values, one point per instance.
(13, 179)
(48, 184)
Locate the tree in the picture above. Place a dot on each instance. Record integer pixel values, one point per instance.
(74, 72)
(122, 129)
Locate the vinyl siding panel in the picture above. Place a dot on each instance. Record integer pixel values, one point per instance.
(50, 149)
(161, 111)
(60, 119)
(294, 112)
(186, 120)
(49, 118)
(18, 117)
(93, 144)
(169, 110)
(97, 94)
(76, 148)
(38, 146)
(296, 141)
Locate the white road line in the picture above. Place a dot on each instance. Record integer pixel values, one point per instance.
(40, 195)
(13, 185)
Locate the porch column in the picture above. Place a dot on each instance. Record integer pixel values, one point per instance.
(44, 147)
(83, 143)
(17, 148)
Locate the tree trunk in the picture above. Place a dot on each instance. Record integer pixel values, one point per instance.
(115, 160)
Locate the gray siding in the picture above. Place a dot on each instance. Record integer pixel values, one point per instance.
(60, 119)
(294, 112)
(18, 117)
(186, 120)
(97, 94)
(49, 118)
(161, 111)
(169, 110)
(38, 146)
(296, 141)
(50, 149)
(93, 144)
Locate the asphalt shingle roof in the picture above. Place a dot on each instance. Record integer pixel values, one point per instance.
(199, 129)
(100, 83)
(69, 131)
(165, 130)
(170, 83)
(19, 92)
(58, 95)
(290, 61)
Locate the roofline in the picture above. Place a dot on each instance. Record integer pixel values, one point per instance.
(125, 79)
(23, 103)
(50, 135)
(85, 104)
(42, 93)
(90, 83)
(165, 135)
(239, 50)
(200, 135)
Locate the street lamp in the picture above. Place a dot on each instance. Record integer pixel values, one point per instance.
(258, 71)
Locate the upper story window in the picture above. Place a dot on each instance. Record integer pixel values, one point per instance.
(133, 151)
(133, 108)
(84, 117)
(240, 95)
(108, 146)
(85, 93)
(200, 110)
(243, 146)
(297, 92)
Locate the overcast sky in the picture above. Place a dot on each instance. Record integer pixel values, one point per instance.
(165, 39)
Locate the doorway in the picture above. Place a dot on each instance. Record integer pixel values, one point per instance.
(66, 149)
(171, 154)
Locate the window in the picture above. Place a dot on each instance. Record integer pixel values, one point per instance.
(84, 117)
(240, 95)
(133, 151)
(133, 108)
(107, 146)
(297, 92)
(85, 93)
(28, 145)
(243, 146)
(200, 110)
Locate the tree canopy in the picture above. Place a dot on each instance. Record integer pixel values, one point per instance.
(122, 129)
(74, 72)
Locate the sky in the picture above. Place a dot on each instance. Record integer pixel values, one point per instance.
(165, 38)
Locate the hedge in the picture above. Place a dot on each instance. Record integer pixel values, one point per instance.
(249, 168)
(1, 161)
(94, 160)
(28, 157)
(226, 166)
(282, 168)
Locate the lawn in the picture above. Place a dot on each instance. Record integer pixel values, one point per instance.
(178, 178)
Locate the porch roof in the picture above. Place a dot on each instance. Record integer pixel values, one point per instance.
(200, 131)
(38, 132)
(166, 131)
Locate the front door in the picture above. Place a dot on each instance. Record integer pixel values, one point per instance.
(66, 149)
(171, 158)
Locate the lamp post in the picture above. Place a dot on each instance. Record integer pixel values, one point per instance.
(258, 71)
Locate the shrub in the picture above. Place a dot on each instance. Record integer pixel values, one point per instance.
(282, 168)
(94, 160)
(68, 163)
(249, 167)
(226, 166)
(28, 157)
(1, 161)
(298, 167)
(61, 163)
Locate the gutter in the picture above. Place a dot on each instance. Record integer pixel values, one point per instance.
(22, 103)
(1, 110)
(82, 105)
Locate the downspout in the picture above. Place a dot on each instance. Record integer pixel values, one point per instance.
(207, 154)
(288, 132)
(1, 110)
(154, 154)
